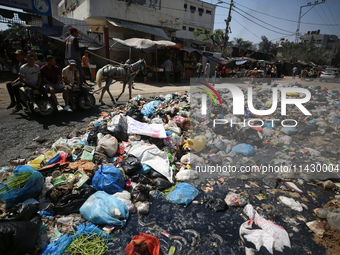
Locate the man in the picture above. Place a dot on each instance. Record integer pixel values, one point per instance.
(73, 51)
(167, 69)
(31, 79)
(85, 66)
(199, 68)
(207, 70)
(40, 62)
(50, 74)
(294, 72)
(14, 86)
(71, 77)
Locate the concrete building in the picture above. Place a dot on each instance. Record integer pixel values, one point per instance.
(329, 43)
(197, 15)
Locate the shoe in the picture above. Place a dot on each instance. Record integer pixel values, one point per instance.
(36, 108)
(17, 108)
(60, 108)
(48, 106)
(67, 108)
(11, 105)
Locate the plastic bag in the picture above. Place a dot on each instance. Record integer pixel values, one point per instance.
(270, 236)
(198, 143)
(61, 145)
(38, 162)
(249, 135)
(143, 244)
(19, 237)
(150, 108)
(183, 193)
(139, 128)
(161, 183)
(244, 149)
(153, 157)
(108, 179)
(32, 188)
(107, 144)
(131, 165)
(140, 193)
(171, 126)
(118, 128)
(181, 122)
(186, 175)
(215, 203)
(291, 203)
(58, 247)
(71, 203)
(87, 155)
(134, 113)
(98, 206)
(233, 199)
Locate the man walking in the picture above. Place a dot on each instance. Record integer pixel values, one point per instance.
(167, 69)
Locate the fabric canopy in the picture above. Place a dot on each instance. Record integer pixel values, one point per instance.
(241, 62)
(144, 44)
(139, 27)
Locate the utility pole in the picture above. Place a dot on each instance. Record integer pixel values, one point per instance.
(299, 20)
(227, 21)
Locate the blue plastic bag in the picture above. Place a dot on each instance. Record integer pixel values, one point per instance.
(184, 193)
(150, 108)
(58, 247)
(32, 188)
(90, 229)
(98, 206)
(144, 170)
(108, 179)
(244, 149)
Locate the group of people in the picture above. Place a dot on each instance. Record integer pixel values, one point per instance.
(35, 74)
(168, 68)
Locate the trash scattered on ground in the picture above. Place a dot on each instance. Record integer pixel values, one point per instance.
(147, 173)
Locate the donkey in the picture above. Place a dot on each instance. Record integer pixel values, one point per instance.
(125, 73)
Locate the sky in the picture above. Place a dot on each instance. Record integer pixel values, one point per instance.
(274, 19)
(277, 19)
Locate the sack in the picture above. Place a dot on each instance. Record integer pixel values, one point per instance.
(98, 206)
(270, 236)
(118, 128)
(139, 128)
(131, 165)
(22, 212)
(150, 108)
(108, 179)
(143, 244)
(107, 144)
(32, 188)
(19, 237)
(184, 193)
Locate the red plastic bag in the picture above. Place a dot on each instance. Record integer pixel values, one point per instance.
(143, 244)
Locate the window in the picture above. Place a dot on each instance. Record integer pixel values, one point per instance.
(185, 6)
(191, 29)
(208, 12)
(199, 29)
(200, 11)
(192, 8)
(184, 28)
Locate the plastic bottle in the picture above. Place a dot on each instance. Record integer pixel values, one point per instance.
(17, 162)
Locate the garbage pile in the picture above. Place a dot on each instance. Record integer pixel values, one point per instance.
(130, 183)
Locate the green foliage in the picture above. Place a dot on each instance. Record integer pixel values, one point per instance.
(306, 52)
(242, 44)
(267, 46)
(217, 36)
(14, 31)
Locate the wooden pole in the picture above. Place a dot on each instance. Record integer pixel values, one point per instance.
(156, 66)
(107, 45)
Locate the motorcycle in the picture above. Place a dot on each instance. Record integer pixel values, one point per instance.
(26, 102)
(82, 99)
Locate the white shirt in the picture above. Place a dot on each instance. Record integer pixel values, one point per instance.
(68, 75)
(167, 65)
(30, 73)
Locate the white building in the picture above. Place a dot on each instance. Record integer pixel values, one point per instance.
(197, 15)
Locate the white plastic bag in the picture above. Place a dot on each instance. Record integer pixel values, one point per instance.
(291, 203)
(233, 199)
(171, 126)
(270, 236)
(139, 128)
(107, 144)
(186, 174)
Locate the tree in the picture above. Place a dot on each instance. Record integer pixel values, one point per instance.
(14, 31)
(217, 36)
(242, 45)
(267, 46)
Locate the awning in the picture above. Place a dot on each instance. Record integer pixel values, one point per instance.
(145, 44)
(241, 62)
(190, 50)
(60, 33)
(139, 27)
